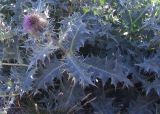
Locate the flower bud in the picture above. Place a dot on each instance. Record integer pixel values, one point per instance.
(34, 24)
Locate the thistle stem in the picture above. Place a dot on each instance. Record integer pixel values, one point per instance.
(13, 64)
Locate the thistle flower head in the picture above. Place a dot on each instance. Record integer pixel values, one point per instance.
(34, 23)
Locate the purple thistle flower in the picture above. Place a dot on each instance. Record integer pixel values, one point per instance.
(34, 23)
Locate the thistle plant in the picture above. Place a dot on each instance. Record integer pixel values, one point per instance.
(77, 57)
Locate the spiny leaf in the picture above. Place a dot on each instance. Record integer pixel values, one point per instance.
(73, 32)
(79, 70)
(151, 65)
(72, 93)
(40, 53)
(22, 79)
(52, 69)
(105, 69)
(155, 85)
